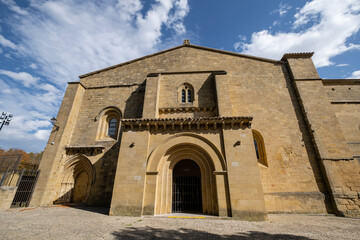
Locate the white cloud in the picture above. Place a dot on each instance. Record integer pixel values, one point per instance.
(336, 21)
(42, 134)
(32, 112)
(283, 9)
(13, 7)
(33, 66)
(355, 74)
(23, 77)
(66, 38)
(342, 65)
(7, 43)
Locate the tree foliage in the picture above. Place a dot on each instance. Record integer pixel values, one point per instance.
(28, 160)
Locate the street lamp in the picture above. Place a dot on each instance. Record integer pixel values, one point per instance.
(5, 119)
(53, 121)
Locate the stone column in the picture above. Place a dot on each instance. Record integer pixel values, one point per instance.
(224, 208)
(150, 191)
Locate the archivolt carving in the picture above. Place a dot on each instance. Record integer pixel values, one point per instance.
(74, 166)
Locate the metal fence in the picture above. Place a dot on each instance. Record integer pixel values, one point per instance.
(23, 179)
(26, 185)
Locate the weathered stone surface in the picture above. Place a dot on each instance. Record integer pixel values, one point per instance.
(309, 132)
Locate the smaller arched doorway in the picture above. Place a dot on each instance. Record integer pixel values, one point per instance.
(78, 177)
(187, 194)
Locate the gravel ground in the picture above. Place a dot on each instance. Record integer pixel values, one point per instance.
(92, 223)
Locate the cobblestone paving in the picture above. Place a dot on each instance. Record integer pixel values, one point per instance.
(92, 223)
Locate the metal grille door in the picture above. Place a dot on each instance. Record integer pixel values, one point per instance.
(25, 189)
(187, 194)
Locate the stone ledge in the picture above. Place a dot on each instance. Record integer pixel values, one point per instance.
(186, 109)
(185, 123)
(87, 150)
(345, 101)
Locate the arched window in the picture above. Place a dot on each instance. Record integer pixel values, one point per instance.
(260, 148)
(186, 93)
(109, 120)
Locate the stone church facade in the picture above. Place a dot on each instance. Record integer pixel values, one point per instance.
(194, 129)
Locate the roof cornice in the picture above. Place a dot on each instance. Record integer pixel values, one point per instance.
(297, 55)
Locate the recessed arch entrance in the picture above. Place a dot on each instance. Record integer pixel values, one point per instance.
(162, 162)
(77, 180)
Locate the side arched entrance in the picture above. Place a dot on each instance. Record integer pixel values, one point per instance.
(77, 180)
(167, 172)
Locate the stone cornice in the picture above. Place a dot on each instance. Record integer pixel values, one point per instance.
(214, 72)
(341, 81)
(86, 150)
(186, 109)
(206, 123)
(297, 55)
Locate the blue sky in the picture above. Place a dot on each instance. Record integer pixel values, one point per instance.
(45, 44)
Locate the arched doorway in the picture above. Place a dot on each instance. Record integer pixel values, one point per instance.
(187, 195)
(76, 183)
(164, 158)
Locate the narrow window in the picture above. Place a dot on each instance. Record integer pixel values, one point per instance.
(256, 149)
(189, 98)
(183, 98)
(112, 128)
(259, 145)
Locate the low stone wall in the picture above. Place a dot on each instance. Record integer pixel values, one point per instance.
(6, 197)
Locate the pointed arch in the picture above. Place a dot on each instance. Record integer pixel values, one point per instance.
(78, 177)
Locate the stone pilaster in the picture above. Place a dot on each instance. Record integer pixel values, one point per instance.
(338, 166)
(48, 184)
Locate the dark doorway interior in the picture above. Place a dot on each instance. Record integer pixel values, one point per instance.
(187, 188)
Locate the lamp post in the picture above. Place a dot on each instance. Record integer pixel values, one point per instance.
(53, 121)
(5, 119)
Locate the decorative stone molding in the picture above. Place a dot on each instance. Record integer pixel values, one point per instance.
(186, 109)
(86, 150)
(205, 123)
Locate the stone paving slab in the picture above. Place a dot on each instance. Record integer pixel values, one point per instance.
(60, 222)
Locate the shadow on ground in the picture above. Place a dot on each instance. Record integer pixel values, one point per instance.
(101, 210)
(183, 233)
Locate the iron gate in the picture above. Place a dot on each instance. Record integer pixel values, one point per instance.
(26, 185)
(187, 194)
